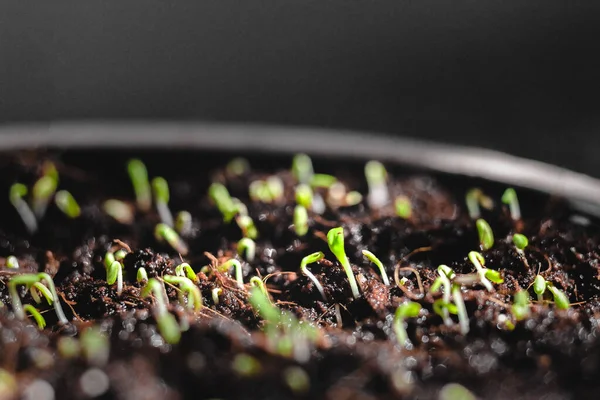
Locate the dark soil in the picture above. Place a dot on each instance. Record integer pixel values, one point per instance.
(553, 353)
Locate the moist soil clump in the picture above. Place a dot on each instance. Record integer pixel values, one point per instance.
(268, 330)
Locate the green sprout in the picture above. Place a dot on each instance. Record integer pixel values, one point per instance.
(484, 274)
(216, 292)
(38, 288)
(237, 167)
(486, 235)
(119, 211)
(39, 320)
(160, 187)
(520, 241)
(300, 220)
(560, 298)
(241, 207)
(444, 307)
(120, 254)
(67, 204)
(186, 286)
(239, 277)
(12, 262)
(247, 226)
(520, 308)
(406, 310)
(142, 275)
(183, 223)
(220, 196)
(373, 258)
(43, 190)
(184, 269)
(403, 207)
(109, 258)
(474, 198)
(322, 181)
(461, 309)
(163, 232)
(335, 240)
(30, 279)
(255, 281)
(309, 259)
(539, 287)
(510, 198)
(353, 198)
(304, 195)
(454, 391)
(16, 196)
(275, 186)
(166, 322)
(302, 168)
(377, 181)
(259, 191)
(247, 248)
(114, 273)
(246, 365)
(141, 185)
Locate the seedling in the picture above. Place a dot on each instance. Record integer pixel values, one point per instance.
(142, 275)
(184, 269)
(377, 181)
(239, 277)
(12, 262)
(300, 220)
(39, 320)
(141, 186)
(30, 279)
(335, 240)
(475, 198)
(220, 196)
(486, 235)
(114, 273)
(309, 259)
(216, 292)
(183, 223)
(444, 307)
(237, 167)
(302, 168)
(247, 248)
(16, 196)
(43, 190)
(120, 254)
(461, 309)
(247, 226)
(373, 258)
(275, 186)
(406, 310)
(561, 301)
(67, 204)
(109, 258)
(160, 187)
(259, 191)
(455, 391)
(255, 281)
(539, 287)
(95, 346)
(304, 195)
(119, 210)
(520, 308)
(322, 181)
(520, 241)
(165, 233)
(38, 288)
(318, 205)
(241, 207)
(510, 198)
(166, 322)
(485, 275)
(353, 198)
(186, 286)
(403, 207)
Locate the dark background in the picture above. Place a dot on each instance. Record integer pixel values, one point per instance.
(518, 76)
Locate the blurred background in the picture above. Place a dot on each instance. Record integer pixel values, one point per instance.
(521, 77)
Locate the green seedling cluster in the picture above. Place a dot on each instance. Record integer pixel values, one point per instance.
(119, 210)
(373, 258)
(138, 174)
(485, 275)
(300, 220)
(376, 176)
(266, 191)
(187, 290)
(403, 207)
(486, 235)
(443, 307)
(246, 248)
(247, 226)
(160, 188)
(114, 274)
(310, 259)
(335, 240)
(220, 196)
(509, 197)
(16, 195)
(67, 204)
(29, 280)
(166, 322)
(406, 310)
(164, 233)
(475, 198)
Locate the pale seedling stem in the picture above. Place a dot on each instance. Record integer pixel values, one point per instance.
(313, 258)
(335, 240)
(373, 258)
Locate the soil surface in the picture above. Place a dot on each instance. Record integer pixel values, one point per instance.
(340, 347)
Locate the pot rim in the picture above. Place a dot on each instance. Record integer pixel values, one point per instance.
(582, 190)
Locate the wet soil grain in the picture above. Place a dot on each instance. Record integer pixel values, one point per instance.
(331, 347)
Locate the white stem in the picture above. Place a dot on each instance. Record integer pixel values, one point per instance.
(378, 195)
(164, 213)
(27, 216)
